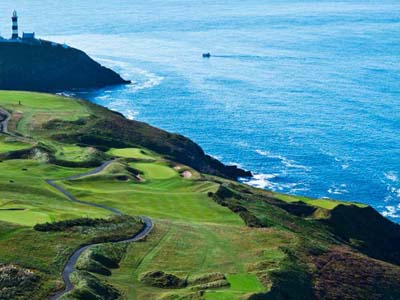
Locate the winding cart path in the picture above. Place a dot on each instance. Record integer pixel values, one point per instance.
(4, 118)
(69, 267)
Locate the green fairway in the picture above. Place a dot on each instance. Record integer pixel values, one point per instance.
(154, 171)
(174, 198)
(240, 284)
(202, 237)
(245, 283)
(136, 153)
(219, 239)
(164, 194)
(11, 144)
(197, 249)
(37, 108)
(25, 216)
(223, 295)
(22, 184)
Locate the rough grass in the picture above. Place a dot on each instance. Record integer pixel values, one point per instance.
(46, 253)
(73, 153)
(322, 203)
(194, 250)
(193, 234)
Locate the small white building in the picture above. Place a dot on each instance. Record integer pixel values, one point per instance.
(28, 36)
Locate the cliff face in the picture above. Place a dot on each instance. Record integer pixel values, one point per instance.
(110, 129)
(48, 68)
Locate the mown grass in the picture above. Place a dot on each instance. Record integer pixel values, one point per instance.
(164, 194)
(155, 171)
(38, 108)
(23, 186)
(245, 283)
(11, 144)
(193, 234)
(193, 250)
(136, 153)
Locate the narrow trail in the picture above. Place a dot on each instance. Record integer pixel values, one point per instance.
(69, 267)
(73, 199)
(4, 118)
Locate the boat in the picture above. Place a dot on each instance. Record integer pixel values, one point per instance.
(206, 55)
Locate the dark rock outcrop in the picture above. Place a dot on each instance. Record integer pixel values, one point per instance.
(51, 67)
(367, 231)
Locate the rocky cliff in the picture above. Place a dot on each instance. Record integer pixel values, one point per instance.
(51, 67)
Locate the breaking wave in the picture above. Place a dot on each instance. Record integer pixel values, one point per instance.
(141, 79)
(273, 182)
(289, 163)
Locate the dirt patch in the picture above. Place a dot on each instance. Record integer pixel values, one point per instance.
(187, 174)
(16, 116)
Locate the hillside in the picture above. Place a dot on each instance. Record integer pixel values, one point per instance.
(47, 68)
(73, 174)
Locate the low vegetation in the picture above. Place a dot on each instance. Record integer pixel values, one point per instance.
(163, 280)
(213, 238)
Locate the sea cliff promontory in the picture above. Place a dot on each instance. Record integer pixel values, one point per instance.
(48, 66)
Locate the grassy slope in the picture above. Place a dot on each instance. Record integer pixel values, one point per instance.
(193, 235)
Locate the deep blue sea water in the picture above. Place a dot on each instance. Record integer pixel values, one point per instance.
(303, 93)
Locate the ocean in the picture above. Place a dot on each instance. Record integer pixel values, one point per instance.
(305, 94)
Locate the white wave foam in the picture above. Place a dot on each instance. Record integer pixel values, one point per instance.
(392, 176)
(217, 157)
(232, 163)
(131, 114)
(266, 181)
(263, 153)
(66, 94)
(289, 163)
(337, 189)
(141, 79)
(103, 97)
(242, 144)
(391, 211)
(152, 81)
(262, 181)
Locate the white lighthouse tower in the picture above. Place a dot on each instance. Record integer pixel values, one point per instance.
(14, 19)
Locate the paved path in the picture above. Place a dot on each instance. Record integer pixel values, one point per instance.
(73, 199)
(4, 118)
(69, 267)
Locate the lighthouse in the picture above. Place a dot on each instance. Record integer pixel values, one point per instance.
(14, 19)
